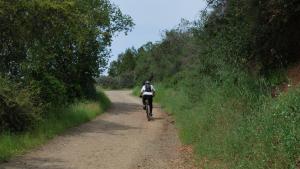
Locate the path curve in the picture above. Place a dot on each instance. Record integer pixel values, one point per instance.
(119, 139)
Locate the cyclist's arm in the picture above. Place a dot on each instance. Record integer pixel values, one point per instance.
(142, 91)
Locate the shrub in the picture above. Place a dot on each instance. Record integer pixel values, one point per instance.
(108, 82)
(126, 80)
(17, 112)
(49, 90)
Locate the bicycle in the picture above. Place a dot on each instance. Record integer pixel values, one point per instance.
(148, 110)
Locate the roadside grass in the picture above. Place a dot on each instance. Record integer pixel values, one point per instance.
(59, 121)
(136, 91)
(237, 129)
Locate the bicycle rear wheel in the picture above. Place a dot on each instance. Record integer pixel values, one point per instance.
(148, 110)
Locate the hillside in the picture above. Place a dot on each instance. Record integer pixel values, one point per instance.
(222, 78)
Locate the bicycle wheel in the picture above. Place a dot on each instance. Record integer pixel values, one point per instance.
(148, 110)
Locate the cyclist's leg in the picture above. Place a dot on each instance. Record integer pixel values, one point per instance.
(144, 102)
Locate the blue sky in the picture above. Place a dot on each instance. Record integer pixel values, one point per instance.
(151, 18)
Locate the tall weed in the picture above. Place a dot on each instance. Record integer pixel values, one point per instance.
(237, 126)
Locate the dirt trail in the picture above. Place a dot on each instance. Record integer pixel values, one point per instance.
(119, 139)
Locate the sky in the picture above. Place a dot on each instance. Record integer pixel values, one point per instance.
(151, 18)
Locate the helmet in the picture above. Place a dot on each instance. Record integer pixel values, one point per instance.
(147, 82)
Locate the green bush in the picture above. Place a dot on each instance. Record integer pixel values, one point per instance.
(126, 80)
(108, 82)
(49, 90)
(17, 112)
(57, 121)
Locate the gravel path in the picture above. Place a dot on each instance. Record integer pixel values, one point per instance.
(122, 138)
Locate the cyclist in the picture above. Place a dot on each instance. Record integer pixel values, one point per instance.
(147, 92)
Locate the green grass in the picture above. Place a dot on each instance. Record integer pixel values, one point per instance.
(231, 127)
(55, 124)
(136, 91)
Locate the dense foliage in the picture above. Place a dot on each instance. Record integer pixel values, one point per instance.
(50, 52)
(216, 75)
(121, 72)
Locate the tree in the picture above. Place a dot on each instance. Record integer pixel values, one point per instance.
(67, 40)
(55, 48)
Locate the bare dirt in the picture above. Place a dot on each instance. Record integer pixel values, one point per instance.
(293, 74)
(122, 138)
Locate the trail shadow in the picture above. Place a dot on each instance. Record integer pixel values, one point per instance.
(99, 126)
(124, 108)
(35, 163)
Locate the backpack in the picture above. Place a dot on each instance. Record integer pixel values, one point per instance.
(148, 88)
